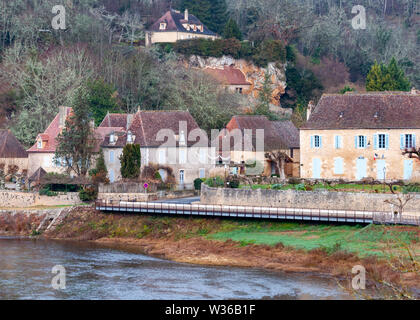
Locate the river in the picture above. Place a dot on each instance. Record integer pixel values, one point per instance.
(94, 271)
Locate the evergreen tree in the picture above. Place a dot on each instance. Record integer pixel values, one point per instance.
(76, 142)
(387, 78)
(231, 30)
(99, 173)
(264, 97)
(130, 160)
(101, 99)
(212, 13)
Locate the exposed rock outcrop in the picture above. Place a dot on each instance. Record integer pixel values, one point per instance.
(255, 75)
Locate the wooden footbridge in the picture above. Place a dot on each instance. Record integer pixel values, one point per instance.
(340, 216)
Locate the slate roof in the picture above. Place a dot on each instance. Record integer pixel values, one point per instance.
(38, 174)
(386, 110)
(10, 147)
(228, 75)
(288, 133)
(174, 21)
(146, 125)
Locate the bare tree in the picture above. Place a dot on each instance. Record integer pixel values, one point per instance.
(279, 158)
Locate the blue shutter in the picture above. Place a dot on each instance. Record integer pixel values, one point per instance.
(365, 142)
(387, 141)
(312, 141)
(402, 144)
(355, 142)
(320, 141)
(375, 141)
(414, 140)
(340, 142)
(336, 142)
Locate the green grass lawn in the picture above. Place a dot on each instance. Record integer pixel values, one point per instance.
(363, 240)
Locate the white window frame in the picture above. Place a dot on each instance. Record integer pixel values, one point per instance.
(319, 141)
(411, 140)
(39, 145)
(379, 141)
(359, 140)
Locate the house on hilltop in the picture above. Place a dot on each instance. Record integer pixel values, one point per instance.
(170, 140)
(174, 26)
(355, 136)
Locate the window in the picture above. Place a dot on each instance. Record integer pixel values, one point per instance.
(202, 173)
(381, 141)
(408, 141)
(39, 146)
(203, 155)
(239, 90)
(360, 142)
(162, 26)
(316, 141)
(338, 166)
(162, 156)
(338, 142)
(129, 137)
(181, 176)
(111, 156)
(182, 156)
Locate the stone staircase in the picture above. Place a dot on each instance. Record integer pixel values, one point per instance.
(52, 219)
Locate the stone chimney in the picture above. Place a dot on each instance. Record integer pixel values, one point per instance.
(62, 112)
(186, 15)
(311, 107)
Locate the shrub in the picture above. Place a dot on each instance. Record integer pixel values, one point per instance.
(411, 188)
(300, 187)
(277, 186)
(197, 183)
(234, 183)
(214, 182)
(88, 194)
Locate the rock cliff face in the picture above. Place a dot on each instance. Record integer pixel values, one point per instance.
(254, 75)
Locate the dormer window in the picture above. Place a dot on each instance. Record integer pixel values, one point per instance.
(112, 137)
(39, 145)
(201, 28)
(162, 26)
(129, 137)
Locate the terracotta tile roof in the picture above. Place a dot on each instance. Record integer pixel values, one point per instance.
(228, 75)
(146, 125)
(10, 147)
(50, 135)
(275, 137)
(114, 120)
(174, 21)
(384, 110)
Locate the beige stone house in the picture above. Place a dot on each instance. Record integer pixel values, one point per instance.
(257, 137)
(12, 153)
(354, 136)
(174, 26)
(230, 78)
(42, 153)
(166, 138)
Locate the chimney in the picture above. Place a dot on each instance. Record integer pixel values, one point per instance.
(186, 15)
(311, 107)
(62, 112)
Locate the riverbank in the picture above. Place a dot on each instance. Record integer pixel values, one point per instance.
(324, 249)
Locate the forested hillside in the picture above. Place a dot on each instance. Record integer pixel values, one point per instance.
(102, 49)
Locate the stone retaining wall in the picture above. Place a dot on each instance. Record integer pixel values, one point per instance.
(305, 199)
(15, 199)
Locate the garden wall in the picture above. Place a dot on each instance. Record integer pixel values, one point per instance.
(15, 199)
(304, 199)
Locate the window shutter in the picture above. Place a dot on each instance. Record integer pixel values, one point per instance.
(340, 142)
(355, 142)
(387, 141)
(312, 141)
(320, 141)
(365, 142)
(414, 140)
(336, 142)
(375, 141)
(402, 144)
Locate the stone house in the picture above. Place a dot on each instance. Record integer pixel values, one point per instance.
(354, 136)
(230, 78)
(42, 153)
(257, 137)
(166, 138)
(12, 153)
(174, 26)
